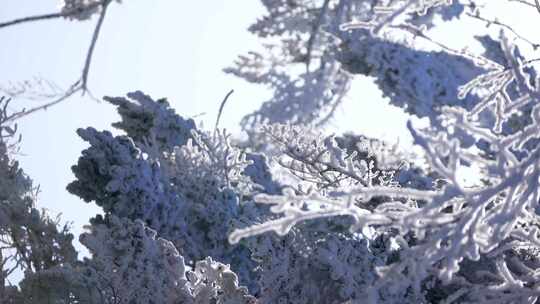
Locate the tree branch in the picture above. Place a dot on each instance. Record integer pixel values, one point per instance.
(221, 108)
(31, 19)
(82, 83)
(314, 32)
(506, 26)
(90, 53)
(49, 16)
(522, 2)
(76, 87)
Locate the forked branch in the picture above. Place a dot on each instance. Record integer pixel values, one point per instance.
(81, 85)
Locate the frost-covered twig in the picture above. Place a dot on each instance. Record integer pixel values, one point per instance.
(221, 106)
(460, 221)
(497, 22)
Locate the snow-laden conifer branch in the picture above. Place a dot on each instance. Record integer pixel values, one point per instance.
(386, 12)
(460, 221)
(31, 241)
(131, 264)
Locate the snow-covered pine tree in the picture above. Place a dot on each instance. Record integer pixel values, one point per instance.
(194, 187)
(31, 242)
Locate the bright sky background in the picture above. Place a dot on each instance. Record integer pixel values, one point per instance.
(166, 48)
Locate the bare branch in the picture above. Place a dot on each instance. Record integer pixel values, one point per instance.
(221, 108)
(82, 84)
(506, 26)
(76, 87)
(49, 16)
(523, 2)
(314, 32)
(95, 36)
(36, 88)
(31, 19)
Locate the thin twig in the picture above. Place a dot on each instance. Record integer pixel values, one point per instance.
(47, 16)
(506, 26)
(314, 32)
(416, 32)
(95, 36)
(76, 87)
(523, 2)
(531, 61)
(80, 85)
(330, 114)
(31, 19)
(35, 89)
(221, 108)
(197, 115)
